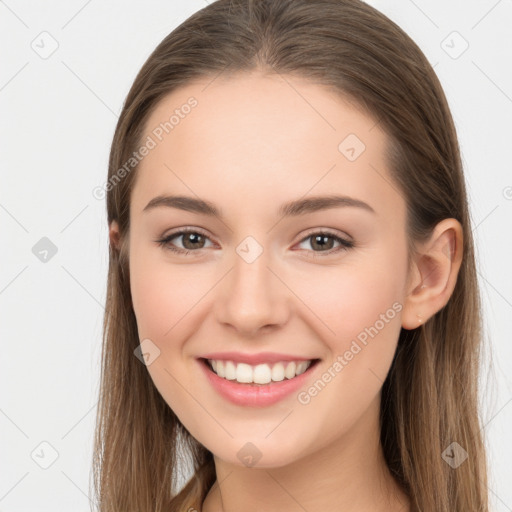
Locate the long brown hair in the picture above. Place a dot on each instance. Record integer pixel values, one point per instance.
(429, 399)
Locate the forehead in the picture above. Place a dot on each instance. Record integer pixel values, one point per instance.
(258, 138)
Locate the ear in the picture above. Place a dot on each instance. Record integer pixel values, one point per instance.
(114, 235)
(434, 274)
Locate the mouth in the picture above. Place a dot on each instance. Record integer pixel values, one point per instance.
(266, 374)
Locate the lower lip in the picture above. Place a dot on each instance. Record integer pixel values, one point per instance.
(255, 395)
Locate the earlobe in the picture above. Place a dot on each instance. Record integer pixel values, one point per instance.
(435, 274)
(114, 235)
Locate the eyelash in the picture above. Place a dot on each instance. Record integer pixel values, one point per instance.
(344, 244)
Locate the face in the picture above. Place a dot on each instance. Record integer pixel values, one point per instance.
(321, 281)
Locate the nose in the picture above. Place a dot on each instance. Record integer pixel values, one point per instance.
(252, 297)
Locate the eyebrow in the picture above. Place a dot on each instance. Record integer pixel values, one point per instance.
(292, 208)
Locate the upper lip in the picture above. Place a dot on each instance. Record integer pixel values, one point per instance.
(254, 359)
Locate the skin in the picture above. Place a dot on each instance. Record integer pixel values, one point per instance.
(252, 143)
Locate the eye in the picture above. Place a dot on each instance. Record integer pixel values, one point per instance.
(192, 239)
(320, 240)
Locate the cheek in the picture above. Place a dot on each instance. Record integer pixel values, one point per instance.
(163, 298)
(358, 315)
(349, 298)
(162, 293)
(361, 310)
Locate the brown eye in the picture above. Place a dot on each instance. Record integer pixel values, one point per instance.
(192, 240)
(323, 243)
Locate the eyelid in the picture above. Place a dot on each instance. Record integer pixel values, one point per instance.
(328, 231)
(180, 231)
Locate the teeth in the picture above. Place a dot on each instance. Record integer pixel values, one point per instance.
(290, 370)
(259, 374)
(229, 370)
(244, 373)
(278, 372)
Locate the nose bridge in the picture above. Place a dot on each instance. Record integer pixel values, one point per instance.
(252, 296)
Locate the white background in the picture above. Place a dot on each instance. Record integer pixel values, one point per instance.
(57, 122)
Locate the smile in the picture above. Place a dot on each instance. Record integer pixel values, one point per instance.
(258, 374)
(254, 385)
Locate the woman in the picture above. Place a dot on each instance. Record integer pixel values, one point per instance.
(292, 295)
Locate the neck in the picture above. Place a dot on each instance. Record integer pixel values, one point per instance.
(349, 473)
